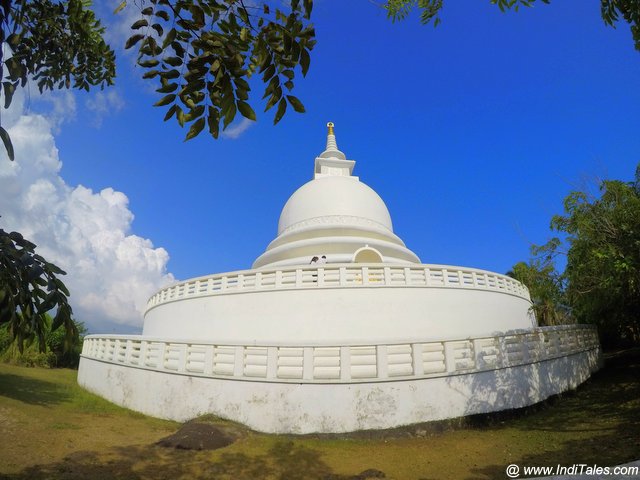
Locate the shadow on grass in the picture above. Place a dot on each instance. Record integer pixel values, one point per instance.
(284, 461)
(606, 408)
(31, 390)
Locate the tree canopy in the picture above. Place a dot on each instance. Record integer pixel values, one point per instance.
(202, 53)
(56, 44)
(603, 256)
(547, 291)
(601, 281)
(610, 10)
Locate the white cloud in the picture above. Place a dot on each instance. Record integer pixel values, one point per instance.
(234, 131)
(103, 104)
(110, 272)
(58, 106)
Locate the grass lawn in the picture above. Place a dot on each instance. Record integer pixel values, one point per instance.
(51, 429)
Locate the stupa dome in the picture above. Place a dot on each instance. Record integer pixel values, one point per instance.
(334, 217)
(333, 196)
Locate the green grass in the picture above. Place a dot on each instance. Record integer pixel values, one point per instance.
(54, 429)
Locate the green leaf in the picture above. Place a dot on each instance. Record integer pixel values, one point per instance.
(61, 286)
(270, 71)
(282, 108)
(166, 100)
(170, 87)
(158, 29)
(173, 61)
(139, 24)
(132, 40)
(305, 61)
(195, 129)
(229, 113)
(120, 7)
(170, 74)
(213, 121)
(9, 88)
(171, 111)
(153, 62)
(180, 116)
(171, 36)
(150, 74)
(296, 104)
(7, 143)
(163, 15)
(246, 110)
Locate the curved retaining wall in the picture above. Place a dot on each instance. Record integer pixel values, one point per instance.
(305, 389)
(402, 303)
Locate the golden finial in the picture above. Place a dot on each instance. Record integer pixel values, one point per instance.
(330, 125)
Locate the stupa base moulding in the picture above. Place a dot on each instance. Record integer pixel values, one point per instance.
(340, 389)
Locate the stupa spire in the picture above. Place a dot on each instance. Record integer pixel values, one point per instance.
(332, 147)
(332, 161)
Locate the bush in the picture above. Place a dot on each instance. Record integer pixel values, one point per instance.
(54, 355)
(30, 357)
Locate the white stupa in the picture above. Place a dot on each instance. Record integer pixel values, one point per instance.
(337, 215)
(337, 327)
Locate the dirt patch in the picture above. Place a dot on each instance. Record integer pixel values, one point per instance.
(369, 474)
(201, 435)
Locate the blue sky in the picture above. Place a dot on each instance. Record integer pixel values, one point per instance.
(472, 132)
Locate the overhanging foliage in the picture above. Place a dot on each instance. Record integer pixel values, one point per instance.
(29, 288)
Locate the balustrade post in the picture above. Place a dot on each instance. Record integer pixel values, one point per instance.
(524, 347)
(143, 353)
(208, 360)
(162, 356)
(320, 277)
(417, 360)
(407, 276)
(478, 358)
(449, 357)
(182, 357)
(114, 353)
(387, 276)
(365, 275)
(127, 352)
(557, 343)
(503, 358)
(382, 362)
(343, 276)
(272, 362)
(238, 363)
(307, 363)
(345, 364)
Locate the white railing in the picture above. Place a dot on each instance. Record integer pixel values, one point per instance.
(343, 364)
(340, 276)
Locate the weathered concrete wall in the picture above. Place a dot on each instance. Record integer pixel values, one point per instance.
(305, 408)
